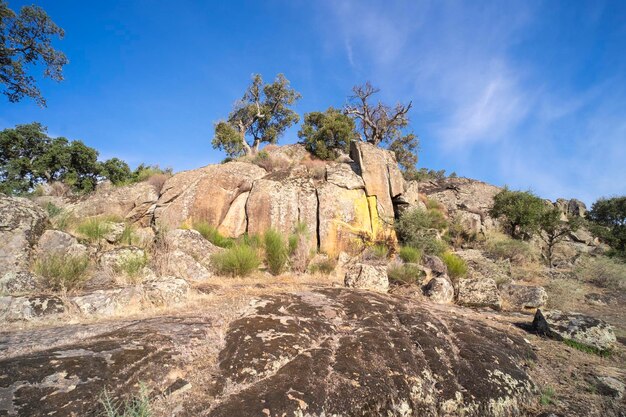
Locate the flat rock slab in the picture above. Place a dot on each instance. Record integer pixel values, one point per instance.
(356, 353)
(66, 379)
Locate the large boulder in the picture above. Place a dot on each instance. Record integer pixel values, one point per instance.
(464, 199)
(344, 353)
(107, 302)
(478, 293)
(581, 328)
(31, 307)
(204, 194)
(18, 282)
(439, 290)
(166, 290)
(524, 296)
(22, 222)
(58, 243)
(382, 177)
(190, 242)
(183, 265)
(367, 277)
(479, 266)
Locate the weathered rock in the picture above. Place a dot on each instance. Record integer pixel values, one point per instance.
(192, 243)
(479, 266)
(465, 199)
(571, 207)
(114, 231)
(30, 307)
(580, 328)
(381, 175)
(611, 387)
(135, 203)
(180, 264)
(58, 243)
(435, 264)
(107, 302)
(112, 261)
(235, 222)
(347, 353)
(22, 222)
(18, 282)
(478, 293)
(367, 277)
(204, 194)
(166, 290)
(440, 290)
(344, 176)
(524, 296)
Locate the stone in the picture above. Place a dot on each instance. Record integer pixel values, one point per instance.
(58, 243)
(192, 243)
(235, 222)
(466, 199)
(611, 387)
(111, 261)
(367, 277)
(479, 266)
(166, 290)
(435, 265)
(524, 296)
(344, 176)
(114, 231)
(381, 175)
(478, 293)
(182, 265)
(581, 328)
(22, 222)
(204, 194)
(439, 290)
(18, 282)
(30, 307)
(340, 352)
(542, 328)
(106, 302)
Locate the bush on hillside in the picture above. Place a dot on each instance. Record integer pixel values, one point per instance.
(603, 271)
(457, 268)
(327, 134)
(211, 234)
(239, 260)
(63, 272)
(420, 229)
(409, 254)
(520, 212)
(500, 246)
(404, 274)
(276, 251)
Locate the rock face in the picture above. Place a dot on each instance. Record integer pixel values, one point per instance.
(30, 307)
(18, 282)
(367, 277)
(524, 296)
(58, 243)
(583, 329)
(21, 224)
(440, 290)
(341, 352)
(478, 293)
(465, 199)
(571, 207)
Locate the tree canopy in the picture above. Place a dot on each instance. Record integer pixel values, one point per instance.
(325, 134)
(608, 217)
(261, 116)
(25, 41)
(519, 211)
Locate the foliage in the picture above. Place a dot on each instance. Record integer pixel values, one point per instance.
(425, 174)
(405, 148)
(53, 210)
(608, 217)
(605, 353)
(376, 252)
(94, 229)
(132, 265)
(116, 170)
(457, 268)
(457, 234)
(298, 247)
(128, 236)
(554, 230)
(500, 246)
(325, 134)
(420, 228)
(211, 234)
(602, 271)
(261, 116)
(520, 212)
(25, 41)
(136, 406)
(546, 396)
(275, 251)
(63, 272)
(404, 274)
(325, 266)
(410, 254)
(238, 260)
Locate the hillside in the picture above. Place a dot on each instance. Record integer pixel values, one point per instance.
(282, 285)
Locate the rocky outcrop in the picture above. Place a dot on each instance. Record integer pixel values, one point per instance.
(580, 328)
(107, 302)
(480, 267)
(354, 353)
(31, 307)
(18, 282)
(466, 200)
(478, 293)
(367, 277)
(524, 296)
(571, 207)
(439, 290)
(58, 243)
(22, 222)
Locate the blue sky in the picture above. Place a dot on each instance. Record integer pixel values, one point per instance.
(531, 94)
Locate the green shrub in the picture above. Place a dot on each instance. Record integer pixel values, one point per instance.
(376, 252)
(410, 254)
(128, 236)
(546, 396)
(275, 251)
(520, 212)
(63, 272)
(94, 229)
(420, 229)
(136, 406)
(457, 268)
(503, 247)
(325, 266)
(432, 204)
(53, 210)
(211, 234)
(587, 349)
(131, 266)
(326, 134)
(404, 274)
(602, 271)
(238, 260)
(254, 241)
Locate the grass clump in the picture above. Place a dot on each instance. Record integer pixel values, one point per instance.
(603, 272)
(325, 266)
(132, 265)
(211, 234)
(63, 272)
(53, 210)
(376, 252)
(238, 260)
(94, 229)
(410, 255)
(404, 274)
(547, 395)
(457, 268)
(587, 349)
(502, 247)
(136, 406)
(276, 251)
